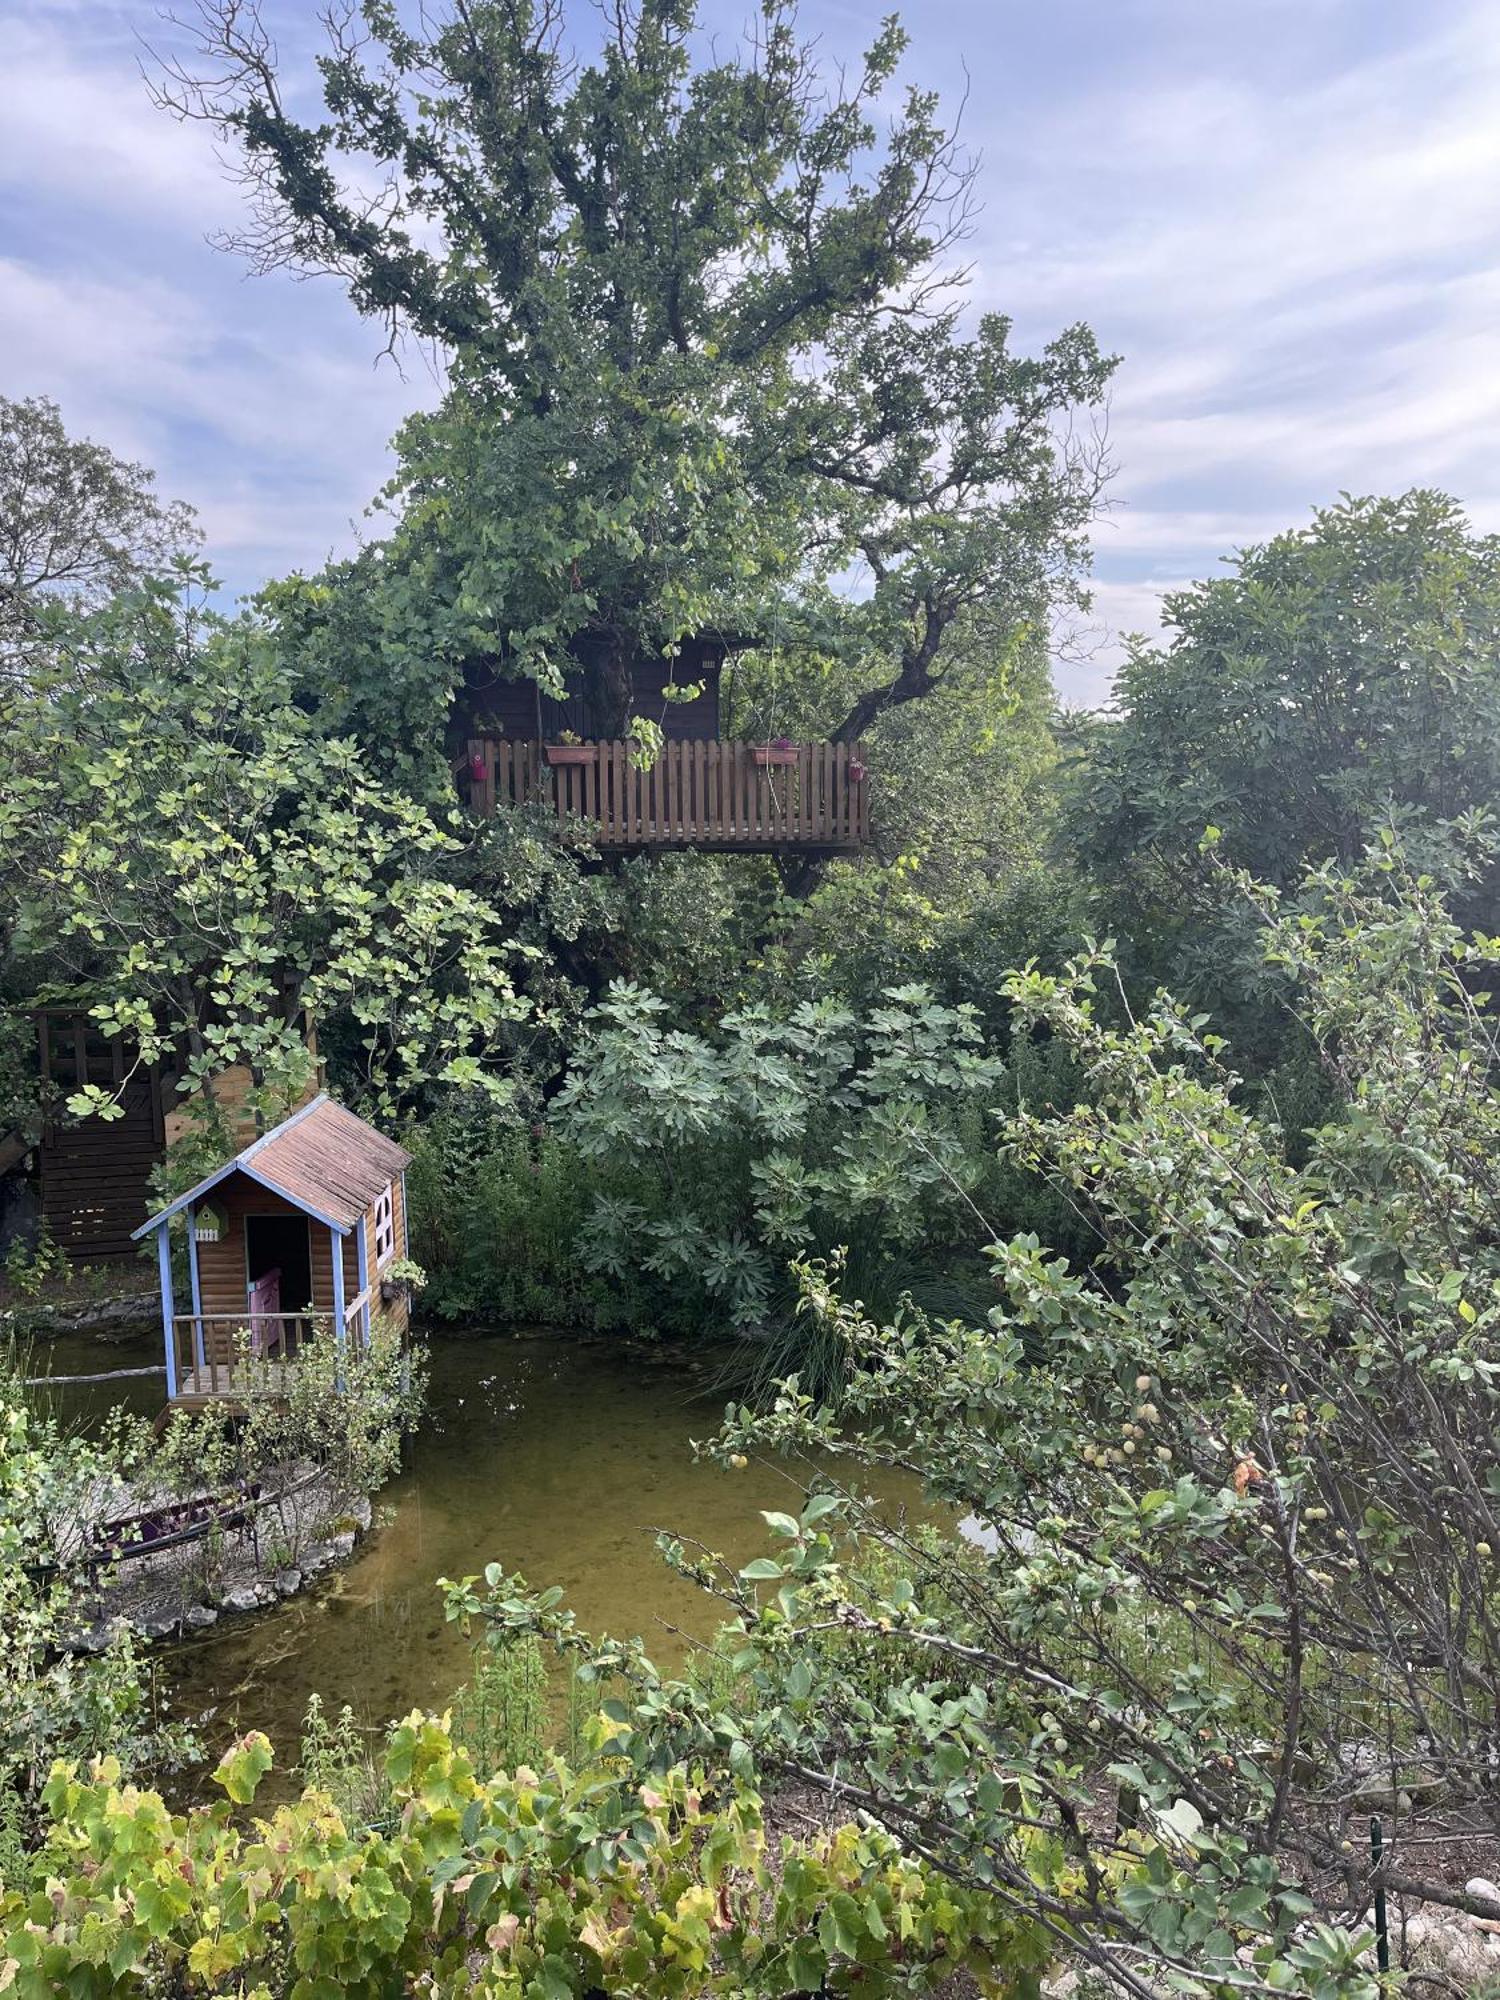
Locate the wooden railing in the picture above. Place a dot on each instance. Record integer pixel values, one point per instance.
(230, 1354)
(696, 794)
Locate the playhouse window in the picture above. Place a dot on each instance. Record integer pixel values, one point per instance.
(385, 1229)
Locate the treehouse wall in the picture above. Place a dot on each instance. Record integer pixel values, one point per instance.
(489, 705)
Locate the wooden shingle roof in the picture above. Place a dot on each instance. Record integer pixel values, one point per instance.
(323, 1159)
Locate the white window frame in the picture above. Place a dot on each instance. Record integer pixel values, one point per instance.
(385, 1226)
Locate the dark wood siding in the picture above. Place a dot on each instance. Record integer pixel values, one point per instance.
(95, 1172)
(491, 706)
(681, 721)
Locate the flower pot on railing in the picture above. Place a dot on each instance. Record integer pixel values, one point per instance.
(775, 756)
(401, 1282)
(568, 753)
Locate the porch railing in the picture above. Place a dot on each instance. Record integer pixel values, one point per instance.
(232, 1354)
(696, 793)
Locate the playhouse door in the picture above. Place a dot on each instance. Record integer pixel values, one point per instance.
(265, 1297)
(278, 1250)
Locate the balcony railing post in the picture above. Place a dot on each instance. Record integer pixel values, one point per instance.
(168, 1318)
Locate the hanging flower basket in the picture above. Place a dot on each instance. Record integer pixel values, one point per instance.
(568, 753)
(775, 756)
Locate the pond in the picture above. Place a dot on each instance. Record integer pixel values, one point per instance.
(553, 1457)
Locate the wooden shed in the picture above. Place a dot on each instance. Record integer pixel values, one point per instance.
(288, 1243)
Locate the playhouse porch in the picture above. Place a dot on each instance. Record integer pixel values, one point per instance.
(242, 1357)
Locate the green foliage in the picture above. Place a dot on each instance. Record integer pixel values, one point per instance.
(344, 1413)
(1232, 1493)
(500, 1715)
(51, 1701)
(523, 1885)
(20, 1088)
(77, 524)
(810, 1131)
(337, 1758)
(1338, 673)
(182, 839)
(698, 929)
(28, 1267)
(496, 1215)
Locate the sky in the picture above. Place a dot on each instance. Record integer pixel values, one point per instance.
(1283, 216)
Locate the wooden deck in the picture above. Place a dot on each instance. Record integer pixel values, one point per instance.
(252, 1383)
(718, 797)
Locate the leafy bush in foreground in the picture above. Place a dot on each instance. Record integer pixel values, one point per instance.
(543, 1886)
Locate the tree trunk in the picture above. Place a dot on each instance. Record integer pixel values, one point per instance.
(611, 686)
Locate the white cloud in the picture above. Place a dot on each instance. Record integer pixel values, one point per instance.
(260, 402)
(1304, 281)
(85, 132)
(276, 433)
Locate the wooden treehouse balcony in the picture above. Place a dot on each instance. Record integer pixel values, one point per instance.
(721, 797)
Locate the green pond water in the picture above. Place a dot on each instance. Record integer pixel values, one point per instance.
(552, 1457)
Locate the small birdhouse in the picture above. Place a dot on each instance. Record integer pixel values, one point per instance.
(210, 1222)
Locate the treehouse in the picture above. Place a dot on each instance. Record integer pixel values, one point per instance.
(513, 745)
(294, 1240)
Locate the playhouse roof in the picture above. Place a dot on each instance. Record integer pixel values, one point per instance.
(323, 1159)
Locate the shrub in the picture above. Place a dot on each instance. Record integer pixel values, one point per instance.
(524, 1885)
(52, 1703)
(781, 1136)
(343, 1412)
(497, 1211)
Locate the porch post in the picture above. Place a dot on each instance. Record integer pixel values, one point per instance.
(164, 1267)
(336, 1249)
(364, 1281)
(192, 1233)
(402, 1248)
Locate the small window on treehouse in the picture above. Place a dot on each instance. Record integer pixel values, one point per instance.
(385, 1229)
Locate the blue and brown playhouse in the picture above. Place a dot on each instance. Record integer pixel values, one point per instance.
(295, 1240)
